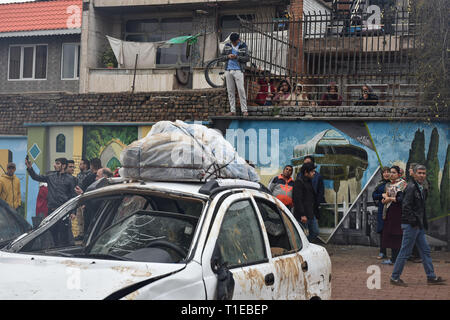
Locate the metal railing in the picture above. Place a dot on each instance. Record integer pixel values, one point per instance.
(320, 48)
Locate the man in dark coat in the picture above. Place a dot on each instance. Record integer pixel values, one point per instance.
(414, 221)
(61, 186)
(317, 182)
(306, 208)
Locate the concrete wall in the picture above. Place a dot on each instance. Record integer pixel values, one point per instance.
(54, 55)
(121, 80)
(53, 132)
(95, 27)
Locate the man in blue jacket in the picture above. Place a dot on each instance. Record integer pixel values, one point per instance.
(236, 53)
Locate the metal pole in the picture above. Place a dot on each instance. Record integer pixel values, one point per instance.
(134, 76)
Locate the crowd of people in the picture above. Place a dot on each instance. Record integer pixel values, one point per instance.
(402, 220)
(284, 94)
(58, 186)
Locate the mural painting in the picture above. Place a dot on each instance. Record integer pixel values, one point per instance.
(348, 155)
(107, 142)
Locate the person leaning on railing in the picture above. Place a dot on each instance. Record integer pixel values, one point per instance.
(284, 96)
(331, 97)
(299, 97)
(368, 98)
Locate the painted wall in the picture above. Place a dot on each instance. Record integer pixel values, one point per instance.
(107, 142)
(347, 171)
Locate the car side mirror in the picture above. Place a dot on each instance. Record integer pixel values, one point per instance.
(225, 280)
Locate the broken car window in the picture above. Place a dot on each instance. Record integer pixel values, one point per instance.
(276, 231)
(240, 239)
(147, 229)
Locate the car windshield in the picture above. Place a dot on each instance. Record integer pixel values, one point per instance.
(147, 232)
(125, 224)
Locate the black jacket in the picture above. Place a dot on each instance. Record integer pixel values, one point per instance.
(87, 180)
(413, 206)
(61, 187)
(305, 199)
(372, 100)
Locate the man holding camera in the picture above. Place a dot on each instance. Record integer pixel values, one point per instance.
(236, 53)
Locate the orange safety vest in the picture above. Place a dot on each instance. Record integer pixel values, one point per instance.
(282, 189)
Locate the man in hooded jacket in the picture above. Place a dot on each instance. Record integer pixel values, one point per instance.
(10, 187)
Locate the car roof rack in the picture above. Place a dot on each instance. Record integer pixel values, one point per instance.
(216, 185)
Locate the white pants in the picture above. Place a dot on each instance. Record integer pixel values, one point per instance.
(235, 78)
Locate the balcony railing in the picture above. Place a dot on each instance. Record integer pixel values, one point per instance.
(320, 48)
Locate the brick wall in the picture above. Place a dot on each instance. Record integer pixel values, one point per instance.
(202, 105)
(15, 110)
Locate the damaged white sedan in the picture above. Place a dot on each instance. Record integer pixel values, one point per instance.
(224, 239)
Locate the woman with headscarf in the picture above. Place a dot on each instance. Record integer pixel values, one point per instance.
(368, 98)
(331, 97)
(283, 97)
(299, 97)
(377, 196)
(392, 214)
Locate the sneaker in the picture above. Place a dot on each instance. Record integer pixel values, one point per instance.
(388, 261)
(437, 280)
(230, 114)
(381, 256)
(399, 282)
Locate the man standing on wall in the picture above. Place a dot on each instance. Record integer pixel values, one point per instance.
(414, 223)
(10, 187)
(236, 53)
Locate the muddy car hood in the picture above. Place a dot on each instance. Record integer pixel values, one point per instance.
(44, 277)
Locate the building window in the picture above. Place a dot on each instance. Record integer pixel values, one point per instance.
(27, 62)
(70, 64)
(152, 30)
(60, 143)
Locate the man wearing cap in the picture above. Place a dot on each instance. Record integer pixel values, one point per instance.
(10, 187)
(236, 53)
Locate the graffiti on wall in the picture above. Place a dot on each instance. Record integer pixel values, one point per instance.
(107, 142)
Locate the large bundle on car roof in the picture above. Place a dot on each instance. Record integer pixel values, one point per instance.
(176, 151)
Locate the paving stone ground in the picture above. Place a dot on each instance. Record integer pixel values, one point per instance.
(349, 276)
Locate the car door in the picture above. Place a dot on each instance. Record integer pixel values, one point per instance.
(237, 234)
(285, 248)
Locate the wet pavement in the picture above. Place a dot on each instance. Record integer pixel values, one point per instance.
(350, 276)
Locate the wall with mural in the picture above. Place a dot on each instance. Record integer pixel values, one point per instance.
(107, 142)
(348, 153)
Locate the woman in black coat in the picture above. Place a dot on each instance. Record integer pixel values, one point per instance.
(377, 196)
